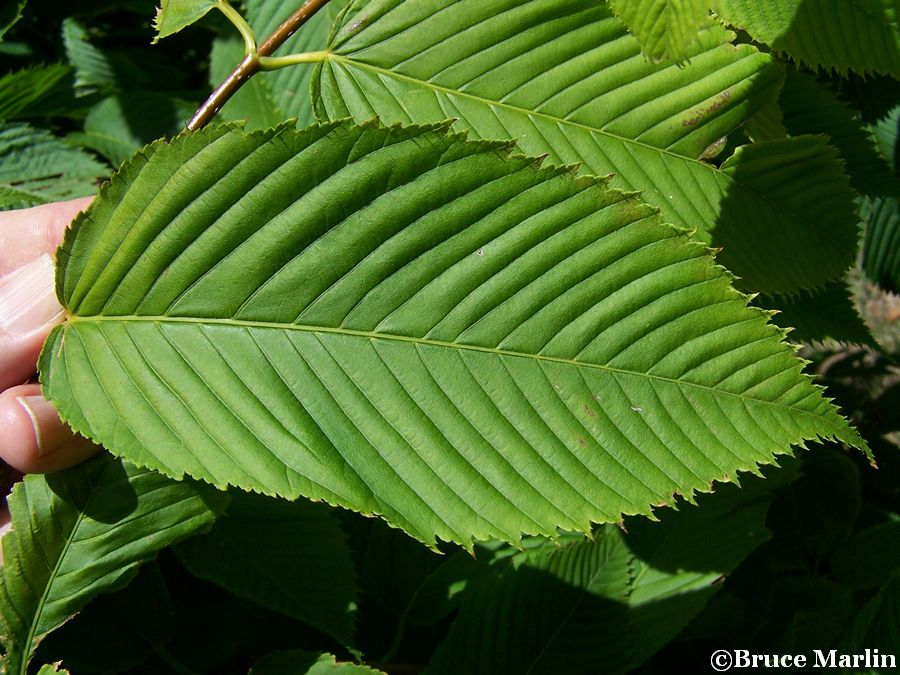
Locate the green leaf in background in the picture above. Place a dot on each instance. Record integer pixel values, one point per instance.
(10, 13)
(174, 15)
(407, 581)
(70, 542)
(881, 243)
(809, 107)
(409, 324)
(870, 557)
(299, 662)
(877, 625)
(97, 70)
(665, 28)
(566, 80)
(550, 611)
(289, 556)
(862, 35)
(680, 562)
(116, 631)
(120, 125)
(818, 315)
(38, 92)
(36, 168)
(607, 605)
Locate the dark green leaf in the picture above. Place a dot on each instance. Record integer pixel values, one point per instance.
(862, 35)
(289, 556)
(36, 167)
(70, 541)
(814, 316)
(881, 243)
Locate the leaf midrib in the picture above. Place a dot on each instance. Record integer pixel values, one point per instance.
(73, 320)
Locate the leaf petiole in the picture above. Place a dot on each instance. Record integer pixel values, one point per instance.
(241, 24)
(276, 62)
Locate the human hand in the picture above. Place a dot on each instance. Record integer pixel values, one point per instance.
(32, 437)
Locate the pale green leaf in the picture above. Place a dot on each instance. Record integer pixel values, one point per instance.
(299, 662)
(665, 28)
(566, 80)
(10, 13)
(885, 131)
(406, 323)
(82, 532)
(175, 15)
(36, 167)
(841, 35)
(289, 556)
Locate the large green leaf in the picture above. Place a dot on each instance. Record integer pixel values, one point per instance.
(841, 35)
(665, 28)
(289, 556)
(82, 532)
(409, 324)
(36, 167)
(566, 80)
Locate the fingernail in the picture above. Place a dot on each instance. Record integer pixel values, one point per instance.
(49, 433)
(28, 297)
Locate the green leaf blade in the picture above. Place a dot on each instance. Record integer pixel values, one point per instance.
(67, 544)
(567, 81)
(862, 36)
(665, 28)
(412, 325)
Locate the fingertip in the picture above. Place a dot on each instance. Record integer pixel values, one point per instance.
(33, 439)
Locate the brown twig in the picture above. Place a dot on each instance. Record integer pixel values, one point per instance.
(250, 65)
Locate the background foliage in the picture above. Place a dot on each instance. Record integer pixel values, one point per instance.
(115, 568)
